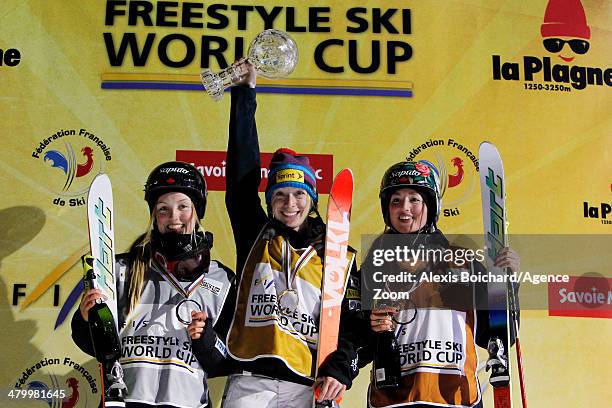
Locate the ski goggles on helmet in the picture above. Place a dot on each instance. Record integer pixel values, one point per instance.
(556, 44)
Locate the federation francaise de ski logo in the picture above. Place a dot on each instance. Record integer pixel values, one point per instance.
(70, 159)
(457, 165)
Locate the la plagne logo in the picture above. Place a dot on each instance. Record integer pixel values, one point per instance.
(566, 37)
(71, 158)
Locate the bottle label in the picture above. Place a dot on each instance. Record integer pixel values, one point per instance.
(380, 374)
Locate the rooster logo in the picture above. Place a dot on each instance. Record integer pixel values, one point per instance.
(565, 31)
(456, 183)
(73, 384)
(69, 401)
(456, 179)
(68, 163)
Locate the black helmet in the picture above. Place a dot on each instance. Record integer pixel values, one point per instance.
(177, 176)
(421, 176)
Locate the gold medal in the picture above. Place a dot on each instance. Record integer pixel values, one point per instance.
(289, 299)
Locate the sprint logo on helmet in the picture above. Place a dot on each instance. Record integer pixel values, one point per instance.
(289, 175)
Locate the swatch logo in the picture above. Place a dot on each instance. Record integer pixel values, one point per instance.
(565, 31)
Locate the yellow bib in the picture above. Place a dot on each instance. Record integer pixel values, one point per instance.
(278, 306)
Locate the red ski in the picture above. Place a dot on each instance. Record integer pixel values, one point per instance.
(335, 264)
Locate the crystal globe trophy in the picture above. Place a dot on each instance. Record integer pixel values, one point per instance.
(273, 54)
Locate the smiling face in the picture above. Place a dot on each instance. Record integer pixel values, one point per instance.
(291, 206)
(407, 211)
(174, 213)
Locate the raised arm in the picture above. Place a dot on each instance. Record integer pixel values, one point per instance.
(243, 173)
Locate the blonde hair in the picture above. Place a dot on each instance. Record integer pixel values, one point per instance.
(142, 259)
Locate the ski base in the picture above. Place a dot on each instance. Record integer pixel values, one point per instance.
(501, 397)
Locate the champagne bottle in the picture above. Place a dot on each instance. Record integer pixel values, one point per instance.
(387, 367)
(101, 322)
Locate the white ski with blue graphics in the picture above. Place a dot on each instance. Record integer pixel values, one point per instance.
(100, 215)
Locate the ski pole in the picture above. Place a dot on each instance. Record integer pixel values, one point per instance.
(519, 355)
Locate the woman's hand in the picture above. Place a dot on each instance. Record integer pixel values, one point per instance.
(247, 72)
(330, 389)
(380, 319)
(508, 258)
(89, 299)
(197, 325)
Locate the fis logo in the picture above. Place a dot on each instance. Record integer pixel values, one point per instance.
(266, 281)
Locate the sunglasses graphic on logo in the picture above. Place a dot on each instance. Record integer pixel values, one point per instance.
(555, 45)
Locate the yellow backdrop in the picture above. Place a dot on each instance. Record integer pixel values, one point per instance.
(376, 82)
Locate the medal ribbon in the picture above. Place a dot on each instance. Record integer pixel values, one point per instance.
(291, 272)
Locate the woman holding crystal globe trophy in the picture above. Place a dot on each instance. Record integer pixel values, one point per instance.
(272, 53)
(273, 337)
(174, 304)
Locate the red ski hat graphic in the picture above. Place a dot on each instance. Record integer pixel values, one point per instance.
(565, 18)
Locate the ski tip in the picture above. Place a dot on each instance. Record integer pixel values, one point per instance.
(486, 146)
(342, 189)
(487, 151)
(100, 177)
(345, 172)
(344, 178)
(100, 185)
